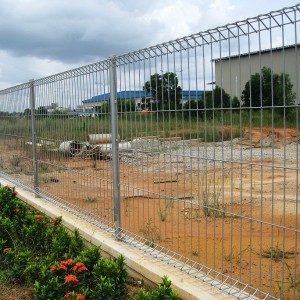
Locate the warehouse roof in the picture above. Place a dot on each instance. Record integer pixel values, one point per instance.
(138, 94)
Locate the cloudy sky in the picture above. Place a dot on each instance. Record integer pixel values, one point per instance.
(44, 37)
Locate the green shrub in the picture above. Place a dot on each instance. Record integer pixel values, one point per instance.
(38, 250)
(15, 263)
(101, 279)
(163, 291)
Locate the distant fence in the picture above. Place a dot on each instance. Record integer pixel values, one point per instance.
(188, 150)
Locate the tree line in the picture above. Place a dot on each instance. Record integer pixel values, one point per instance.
(163, 93)
(265, 89)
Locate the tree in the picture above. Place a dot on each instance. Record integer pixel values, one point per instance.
(193, 109)
(58, 114)
(126, 105)
(164, 90)
(27, 112)
(41, 112)
(235, 102)
(5, 113)
(217, 98)
(258, 90)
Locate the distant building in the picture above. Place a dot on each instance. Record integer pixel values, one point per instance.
(140, 97)
(53, 107)
(232, 72)
(97, 101)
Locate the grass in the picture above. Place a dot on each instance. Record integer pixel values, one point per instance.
(155, 124)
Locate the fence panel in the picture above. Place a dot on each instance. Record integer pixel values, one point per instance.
(16, 155)
(199, 163)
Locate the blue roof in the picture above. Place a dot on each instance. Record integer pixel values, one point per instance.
(138, 94)
(132, 94)
(120, 95)
(192, 93)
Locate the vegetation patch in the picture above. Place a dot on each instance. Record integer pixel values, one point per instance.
(38, 253)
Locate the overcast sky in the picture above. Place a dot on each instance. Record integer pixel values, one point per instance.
(44, 37)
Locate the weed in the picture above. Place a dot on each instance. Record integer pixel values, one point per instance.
(150, 233)
(211, 204)
(126, 203)
(15, 161)
(234, 255)
(294, 282)
(90, 199)
(44, 168)
(163, 212)
(277, 254)
(293, 285)
(44, 179)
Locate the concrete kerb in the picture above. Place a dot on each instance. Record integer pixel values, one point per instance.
(140, 265)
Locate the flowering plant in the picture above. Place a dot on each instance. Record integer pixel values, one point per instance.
(71, 279)
(35, 249)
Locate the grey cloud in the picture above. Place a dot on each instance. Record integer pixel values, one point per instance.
(79, 35)
(54, 35)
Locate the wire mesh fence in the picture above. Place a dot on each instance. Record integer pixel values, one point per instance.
(188, 150)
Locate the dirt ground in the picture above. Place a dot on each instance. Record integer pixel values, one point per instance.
(240, 218)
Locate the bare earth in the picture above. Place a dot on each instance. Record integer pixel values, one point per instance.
(225, 209)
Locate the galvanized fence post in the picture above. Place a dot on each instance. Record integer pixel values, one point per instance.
(33, 133)
(115, 145)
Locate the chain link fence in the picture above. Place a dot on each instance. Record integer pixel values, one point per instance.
(188, 150)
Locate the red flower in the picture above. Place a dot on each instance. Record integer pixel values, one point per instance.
(8, 186)
(67, 295)
(68, 262)
(65, 263)
(39, 217)
(71, 279)
(56, 221)
(80, 296)
(6, 250)
(15, 193)
(54, 268)
(17, 211)
(80, 267)
(63, 267)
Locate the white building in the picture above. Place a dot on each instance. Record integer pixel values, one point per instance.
(233, 72)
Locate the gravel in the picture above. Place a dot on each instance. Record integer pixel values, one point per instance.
(194, 155)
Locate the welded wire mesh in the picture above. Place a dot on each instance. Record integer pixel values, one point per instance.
(206, 173)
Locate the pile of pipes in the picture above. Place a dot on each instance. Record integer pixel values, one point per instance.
(97, 146)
